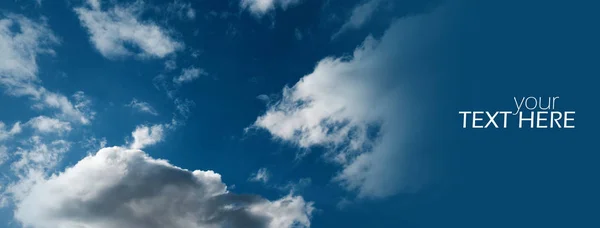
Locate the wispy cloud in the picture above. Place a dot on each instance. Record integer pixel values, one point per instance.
(3, 157)
(182, 9)
(262, 175)
(170, 65)
(360, 15)
(6, 133)
(19, 69)
(142, 106)
(189, 74)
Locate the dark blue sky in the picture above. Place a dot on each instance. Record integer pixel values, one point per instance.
(431, 59)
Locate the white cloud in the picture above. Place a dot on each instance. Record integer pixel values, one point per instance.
(44, 124)
(264, 98)
(360, 15)
(19, 49)
(95, 4)
(142, 106)
(188, 74)
(3, 157)
(74, 112)
(34, 161)
(120, 187)
(345, 100)
(261, 7)
(41, 156)
(8, 133)
(144, 136)
(113, 30)
(262, 175)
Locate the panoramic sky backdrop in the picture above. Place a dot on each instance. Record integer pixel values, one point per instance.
(293, 113)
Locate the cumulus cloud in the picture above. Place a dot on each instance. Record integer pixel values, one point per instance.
(262, 175)
(356, 107)
(19, 49)
(261, 7)
(33, 162)
(119, 187)
(144, 136)
(114, 30)
(143, 107)
(188, 74)
(360, 15)
(44, 124)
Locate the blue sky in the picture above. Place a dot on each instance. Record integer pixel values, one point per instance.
(292, 113)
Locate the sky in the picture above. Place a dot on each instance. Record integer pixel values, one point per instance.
(293, 113)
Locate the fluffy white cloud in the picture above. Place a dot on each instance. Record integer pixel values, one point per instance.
(262, 175)
(6, 133)
(188, 74)
(142, 106)
(360, 15)
(144, 136)
(33, 161)
(261, 7)
(44, 124)
(357, 107)
(19, 49)
(113, 30)
(120, 187)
